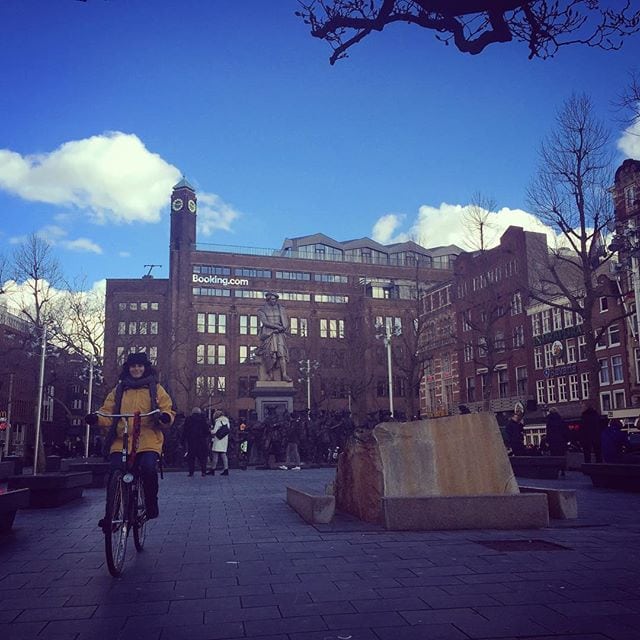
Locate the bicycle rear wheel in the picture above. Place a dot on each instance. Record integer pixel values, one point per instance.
(139, 516)
(116, 524)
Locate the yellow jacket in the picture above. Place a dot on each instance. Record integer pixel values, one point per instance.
(151, 436)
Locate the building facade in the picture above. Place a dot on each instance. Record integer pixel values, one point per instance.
(200, 325)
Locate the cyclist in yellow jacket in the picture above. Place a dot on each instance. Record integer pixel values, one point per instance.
(138, 390)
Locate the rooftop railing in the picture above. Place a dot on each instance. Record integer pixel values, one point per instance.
(392, 260)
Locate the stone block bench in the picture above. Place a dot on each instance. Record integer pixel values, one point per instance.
(6, 469)
(10, 502)
(542, 467)
(563, 504)
(52, 489)
(314, 509)
(98, 468)
(605, 475)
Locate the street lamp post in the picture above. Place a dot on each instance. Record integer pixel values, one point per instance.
(9, 427)
(89, 406)
(307, 368)
(43, 355)
(387, 332)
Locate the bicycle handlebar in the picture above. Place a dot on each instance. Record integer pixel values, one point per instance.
(127, 415)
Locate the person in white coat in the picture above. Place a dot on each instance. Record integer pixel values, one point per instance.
(219, 445)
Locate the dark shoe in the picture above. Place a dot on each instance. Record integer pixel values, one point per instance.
(204, 473)
(225, 472)
(152, 511)
(191, 475)
(211, 472)
(101, 523)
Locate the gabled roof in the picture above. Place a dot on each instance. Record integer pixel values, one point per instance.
(183, 184)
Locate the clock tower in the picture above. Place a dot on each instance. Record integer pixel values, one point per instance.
(183, 216)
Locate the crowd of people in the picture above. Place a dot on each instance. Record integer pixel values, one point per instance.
(598, 438)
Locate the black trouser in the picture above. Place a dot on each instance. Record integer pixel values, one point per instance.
(201, 454)
(146, 464)
(592, 445)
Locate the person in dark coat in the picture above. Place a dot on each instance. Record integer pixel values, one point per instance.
(515, 435)
(590, 433)
(614, 442)
(195, 436)
(557, 433)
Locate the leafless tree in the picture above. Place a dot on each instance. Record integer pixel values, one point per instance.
(472, 25)
(476, 221)
(570, 194)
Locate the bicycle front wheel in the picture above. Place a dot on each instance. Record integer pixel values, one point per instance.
(139, 516)
(116, 528)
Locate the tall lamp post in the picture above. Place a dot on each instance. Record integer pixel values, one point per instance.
(307, 369)
(386, 332)
(89, 407)
(8, 427)
(43, 356)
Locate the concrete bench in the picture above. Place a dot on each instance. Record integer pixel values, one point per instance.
(314, 509)
(563, 504)
(542, 467)
(6, 469)
(10, 502)
(52, 489)
(98, 468)
(605, 475)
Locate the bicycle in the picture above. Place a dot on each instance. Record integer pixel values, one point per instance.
(125, 508)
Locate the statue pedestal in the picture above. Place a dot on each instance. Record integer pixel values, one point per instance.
(273, 397)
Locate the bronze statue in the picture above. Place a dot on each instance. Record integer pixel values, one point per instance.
(273, 352)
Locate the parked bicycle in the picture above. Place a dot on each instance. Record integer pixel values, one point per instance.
(125, 509)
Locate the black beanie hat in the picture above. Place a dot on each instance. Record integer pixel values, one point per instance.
(138, 358)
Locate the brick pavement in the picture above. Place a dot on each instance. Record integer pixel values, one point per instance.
(229, 559)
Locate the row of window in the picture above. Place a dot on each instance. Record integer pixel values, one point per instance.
(563, 389)
(140, 327)
(268, 274)
(476, 321)
(296, 296)
(138, 306)
(498, 344)
(484, 280)
(502, 384)
(574, 349)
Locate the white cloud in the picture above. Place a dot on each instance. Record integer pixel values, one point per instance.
(629, 142)
(83, 245)
(444, 225)
(57, 236)
(113, 177)
(214, 213)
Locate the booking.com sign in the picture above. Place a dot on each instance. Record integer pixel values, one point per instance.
(196, 278)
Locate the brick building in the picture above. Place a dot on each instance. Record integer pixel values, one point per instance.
(200, 325)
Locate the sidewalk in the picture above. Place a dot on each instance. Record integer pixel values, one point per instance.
(228, 559)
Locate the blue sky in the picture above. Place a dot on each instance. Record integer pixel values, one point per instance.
(105, 104)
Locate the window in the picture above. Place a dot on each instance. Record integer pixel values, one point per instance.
(76, 404)
(540, 391)
(551, 390)
(153, 355)
(537, 357)
(546, 321)
(630, 198)
(516, 303)
(604, 304)
(466, 321)
(484, 384)
(499, 341)
(144, 306)
(568, 318)
(330, 277)
(211, 323)
(548, 355)
(249, 325)
(154, 306)
(582, 348)
(557, 318)
(584, 383)
(603, 374)
(482, 346)
(571, 350)
(133, 306)
(518, 336)
(503, 383)
(618, 400)
(142, 328)
(122, 306)
(246, 353)
(614, 335)
(299, 327)
(536, 324)
(292, 275)
(471, 389)
(331, 328)
(605, 401)
(47, 403)
(636, 353)
(382, 388)
(153, 328)
(616, 369)
(252, 273)
(562, 389)
(521, 381)
(122, 328)
(573, 388)
(468, 352)
(132, 328)
(211, 354)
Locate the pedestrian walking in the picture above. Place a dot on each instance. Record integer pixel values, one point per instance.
(292, 455)
(515, 434)
(557, 433)
(615, 442)
(590, 434)
(195, 437)
(220, 442)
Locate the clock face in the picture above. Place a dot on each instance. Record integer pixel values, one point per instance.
(177, 204)
(192, 206)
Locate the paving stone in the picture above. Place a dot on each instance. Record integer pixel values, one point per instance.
(422, 632)
(284, 625)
